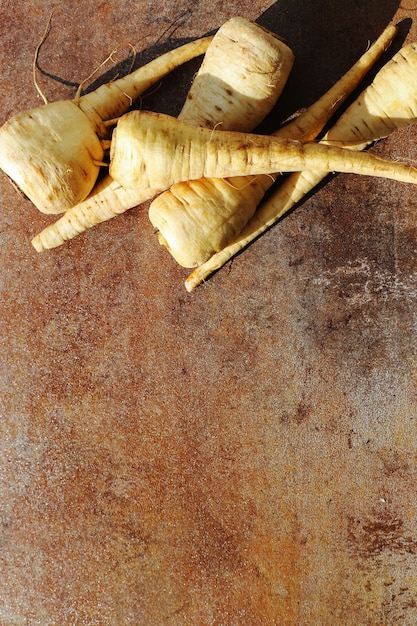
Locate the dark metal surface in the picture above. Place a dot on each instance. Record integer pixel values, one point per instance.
(241, 455)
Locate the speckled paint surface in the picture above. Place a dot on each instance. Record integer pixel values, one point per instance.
(242, 455)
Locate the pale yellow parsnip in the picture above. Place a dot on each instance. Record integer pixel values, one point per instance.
(197, 218)
(240, 79)
(108, 197)
(155, 150)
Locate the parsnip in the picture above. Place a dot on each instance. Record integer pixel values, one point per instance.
(241, 78)
(154, 151)
(53, 153)
(388, 104)
(196, 219)
(236, 94)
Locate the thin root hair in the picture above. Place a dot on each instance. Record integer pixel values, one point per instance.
(103, 63)
(167, 33)
(175, 25)
(36, 57)
(213, 130)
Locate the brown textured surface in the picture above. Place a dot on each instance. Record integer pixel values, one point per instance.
(246, 454)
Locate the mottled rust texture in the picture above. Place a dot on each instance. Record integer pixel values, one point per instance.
(246, 454)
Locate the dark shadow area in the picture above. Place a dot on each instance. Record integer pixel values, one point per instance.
(403, 28)
(327, 38)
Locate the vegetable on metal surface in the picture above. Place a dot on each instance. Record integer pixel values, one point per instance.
(236, 95)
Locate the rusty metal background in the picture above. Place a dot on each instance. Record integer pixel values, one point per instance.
(241, 455)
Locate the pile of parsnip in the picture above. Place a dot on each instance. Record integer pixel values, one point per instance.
(206, 172)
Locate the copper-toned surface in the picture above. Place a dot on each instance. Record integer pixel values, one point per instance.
(241, 455)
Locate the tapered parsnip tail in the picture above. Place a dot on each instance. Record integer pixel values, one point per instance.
(196, 219)
(153, 150)
(309, 124)
(244, 89)
(113, 99)
(107, 200)
(53, 153)
(389, 103)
